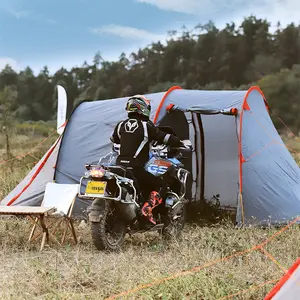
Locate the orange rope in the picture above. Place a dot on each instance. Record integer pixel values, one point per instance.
(273, 141)
(265, 130)
(279, 232)
(261, 150)
(30, 152)
(273, 259)
(283, 123)
(253, 288)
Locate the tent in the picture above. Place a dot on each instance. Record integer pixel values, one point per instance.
(31, 189)
(238, 154)
(288, 287)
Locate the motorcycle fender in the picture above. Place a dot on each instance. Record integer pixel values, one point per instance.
(95, 218)
(95, 211)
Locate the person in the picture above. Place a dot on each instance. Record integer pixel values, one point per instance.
(134, 135)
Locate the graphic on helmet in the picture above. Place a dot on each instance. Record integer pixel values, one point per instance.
(139, 104)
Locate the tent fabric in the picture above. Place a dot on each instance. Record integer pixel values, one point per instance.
(271, 177)
(34, 184)
(242, 158)
(288, 288)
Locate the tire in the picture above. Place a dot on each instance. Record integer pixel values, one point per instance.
(173, 228)
(111, 223)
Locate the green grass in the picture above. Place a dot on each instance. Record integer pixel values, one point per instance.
(81, 272)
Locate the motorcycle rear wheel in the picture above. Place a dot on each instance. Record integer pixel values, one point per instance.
(109, 233)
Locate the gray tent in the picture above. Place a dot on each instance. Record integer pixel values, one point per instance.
(238, 153)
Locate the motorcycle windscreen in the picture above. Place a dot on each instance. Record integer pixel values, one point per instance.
(178, 122)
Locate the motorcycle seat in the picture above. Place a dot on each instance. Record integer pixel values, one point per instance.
(122, 171)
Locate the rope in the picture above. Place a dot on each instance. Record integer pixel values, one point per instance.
(253, 288)
(197, 269)
(273, 259)
(30, 152)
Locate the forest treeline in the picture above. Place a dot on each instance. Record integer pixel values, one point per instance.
(204, 57)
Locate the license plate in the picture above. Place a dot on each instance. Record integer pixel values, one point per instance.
(96, 187)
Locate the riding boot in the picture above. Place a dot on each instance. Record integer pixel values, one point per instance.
(154, 200)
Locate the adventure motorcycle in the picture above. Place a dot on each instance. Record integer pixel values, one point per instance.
(117, 203)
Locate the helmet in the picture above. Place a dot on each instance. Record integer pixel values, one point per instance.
(139, 104)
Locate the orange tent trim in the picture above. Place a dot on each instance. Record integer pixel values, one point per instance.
(173, 88)
(283, 280)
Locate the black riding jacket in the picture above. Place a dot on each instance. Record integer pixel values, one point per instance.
(134, 136)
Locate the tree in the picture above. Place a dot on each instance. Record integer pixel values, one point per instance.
(8, 97)
(204, 57)
(8, 77)
(262, 65)
(283, 93)
(288, 45)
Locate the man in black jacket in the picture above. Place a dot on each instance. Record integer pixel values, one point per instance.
(134, 136)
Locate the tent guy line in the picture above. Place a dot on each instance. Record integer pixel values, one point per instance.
(208, 264)
(31, 151)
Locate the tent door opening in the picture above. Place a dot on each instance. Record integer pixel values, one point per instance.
(189, 126)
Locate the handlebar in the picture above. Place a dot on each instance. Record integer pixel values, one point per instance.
(187, 146)
(162, 148)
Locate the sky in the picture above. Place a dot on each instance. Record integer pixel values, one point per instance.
(66, 33)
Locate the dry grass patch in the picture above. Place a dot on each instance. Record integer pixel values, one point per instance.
(81, 272)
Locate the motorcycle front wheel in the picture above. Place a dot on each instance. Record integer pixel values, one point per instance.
(109, 233)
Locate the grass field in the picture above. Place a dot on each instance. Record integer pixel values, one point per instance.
(81, 272)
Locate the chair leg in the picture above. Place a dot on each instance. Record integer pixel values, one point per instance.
(45, 232)
(43, 240)
(52, 229)
(56, 227)
(65, 231)
(33, 230)
(73, 230)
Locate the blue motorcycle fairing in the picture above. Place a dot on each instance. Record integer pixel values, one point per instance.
(158, 166)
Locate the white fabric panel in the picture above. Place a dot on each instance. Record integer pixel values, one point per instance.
(291, 289)
(60, 196)
(221, 158)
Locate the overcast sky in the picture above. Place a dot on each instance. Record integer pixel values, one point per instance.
(66, 32)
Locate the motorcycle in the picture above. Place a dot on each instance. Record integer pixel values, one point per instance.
(117, 200)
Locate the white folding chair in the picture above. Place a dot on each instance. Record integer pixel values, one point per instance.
(62, 197)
